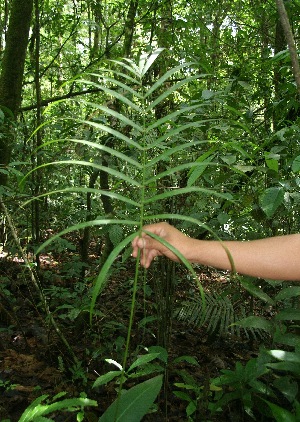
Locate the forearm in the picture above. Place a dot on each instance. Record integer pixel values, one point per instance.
(274, 258)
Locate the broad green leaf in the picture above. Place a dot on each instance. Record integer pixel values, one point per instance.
(288, 293)
(272, 161)
(289, 339)
(285, 356)
(229, 159)
(207, 94)
(280, 414)
(242, 168)
(142, 360)
(287, 386)
(162, 353)
(271, 199)
(191, 408)
(288, 314)
(256, 291)
(256, 323)
(182, 395)
(189, 359)
(281, 55)
(104, 379)
(223, 218)
(292, 367)
(36, 409)
(245, 85)
(133, 404)
(296, 164)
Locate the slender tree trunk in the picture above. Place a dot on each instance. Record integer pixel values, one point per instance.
(278, 80)
(288, 33)
(130, 27)
(11, 77)
(37, 176)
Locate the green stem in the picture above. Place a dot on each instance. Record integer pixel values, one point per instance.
(36, 283)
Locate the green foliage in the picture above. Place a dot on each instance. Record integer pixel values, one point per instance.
(151, 146)
(37, 411)
(238, 137)
(189, 389)
(155, 143)
(142, 363)
(222, 311)
(274, 373)
(134, 403)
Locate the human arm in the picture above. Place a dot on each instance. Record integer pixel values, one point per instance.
(274, 257)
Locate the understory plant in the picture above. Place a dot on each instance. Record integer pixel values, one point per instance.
(43, 406)
(269, 383)
(147, 156)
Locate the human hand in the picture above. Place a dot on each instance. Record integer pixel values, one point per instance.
(150, 247)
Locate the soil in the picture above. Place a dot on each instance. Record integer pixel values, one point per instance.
(34, 362)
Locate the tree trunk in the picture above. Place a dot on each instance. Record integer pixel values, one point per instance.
(285, 23)
(130, 27)
(12, 74)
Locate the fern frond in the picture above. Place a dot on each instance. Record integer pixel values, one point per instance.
(218, 317)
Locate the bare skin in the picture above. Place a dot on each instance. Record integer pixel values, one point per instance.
(275, 258)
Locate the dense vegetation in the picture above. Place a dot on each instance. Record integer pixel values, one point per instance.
(118, 113)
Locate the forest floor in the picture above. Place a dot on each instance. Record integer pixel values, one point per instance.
(33, 361)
